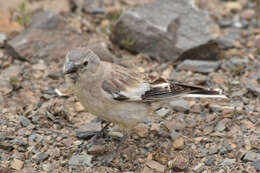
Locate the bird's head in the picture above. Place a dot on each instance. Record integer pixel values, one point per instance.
(80, 62)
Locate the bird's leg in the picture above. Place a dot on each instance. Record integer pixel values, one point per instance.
(115, 153)
(123, 139)
(100, 133)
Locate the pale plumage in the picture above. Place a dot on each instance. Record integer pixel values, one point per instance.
(118, 94)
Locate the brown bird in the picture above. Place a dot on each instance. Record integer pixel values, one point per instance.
(120, 95)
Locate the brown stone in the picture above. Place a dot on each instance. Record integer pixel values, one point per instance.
(178, 143)
(141, 130)
(6, 25)
(248, 14)
(257, 41)
(155, 165)
(17, 164)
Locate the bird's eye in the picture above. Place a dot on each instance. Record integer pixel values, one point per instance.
(85, 63)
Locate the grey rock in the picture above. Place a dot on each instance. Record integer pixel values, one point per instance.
(47, 167)
(77, 161)
(178, 124)
(227, 40)
(19, 142)
(256, 164)
(191, 122)
(162, 112)
(199, 168)
(34, 137)
(227, 162)
(252, 85)
(40, 157)
(88, 130)
(210, 161)
(155, 165)
(234, 62)
(203, 152)
(252, 156)
(224, 23)
(3, 39)
(3, 121)
(24, 121)
(35, 119)
(251, 4)
(4, 156)
(90, 6)
(225, 149)
(221, 125)
(48, 36)
(199, 66)
(180, 105)
(9, 75)
(174, 134)
(213, 150)
(167, 30)
(3, 136)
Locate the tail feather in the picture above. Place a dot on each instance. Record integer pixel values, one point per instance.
(202, 92)
(163, 90)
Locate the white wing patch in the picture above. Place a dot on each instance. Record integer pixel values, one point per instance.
(136, 93)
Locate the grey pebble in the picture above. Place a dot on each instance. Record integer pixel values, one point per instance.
(180, 105)
(24, 121)
(252, 156)
(39, 157)
(256, 164)
(80, 160)
(227, 162)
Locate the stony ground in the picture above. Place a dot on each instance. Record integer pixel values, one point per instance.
(43, 128)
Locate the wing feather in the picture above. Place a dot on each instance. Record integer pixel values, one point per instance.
(123, 84)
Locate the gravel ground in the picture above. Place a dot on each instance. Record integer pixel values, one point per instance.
(44, 128)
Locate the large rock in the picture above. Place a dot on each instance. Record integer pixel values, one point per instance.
(48, 35)
(169, 30)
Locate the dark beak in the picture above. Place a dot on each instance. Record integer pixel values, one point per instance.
(69, 67)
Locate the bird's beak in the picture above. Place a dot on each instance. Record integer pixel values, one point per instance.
(69, 67)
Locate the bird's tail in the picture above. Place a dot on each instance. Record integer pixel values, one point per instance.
(163, 90)
(201, 92)
(213, 93)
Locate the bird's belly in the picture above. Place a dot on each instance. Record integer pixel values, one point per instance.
(125, 114)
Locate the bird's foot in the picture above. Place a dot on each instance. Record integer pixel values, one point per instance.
(100, 133)
(108, 158)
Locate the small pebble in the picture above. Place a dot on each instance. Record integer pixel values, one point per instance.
(178, 143)
(155, 165)
(17, 164)
(199, 168)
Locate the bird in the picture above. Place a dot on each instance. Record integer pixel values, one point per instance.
(118, 94)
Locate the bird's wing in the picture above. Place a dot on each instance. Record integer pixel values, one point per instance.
(125, 85)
